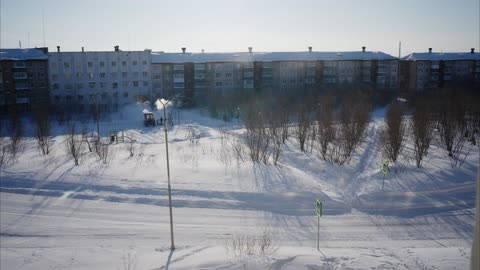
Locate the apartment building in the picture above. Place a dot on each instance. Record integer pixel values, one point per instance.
(196, 74)
(23, 80)
(104, 79)
(192, 75)
(431, 70)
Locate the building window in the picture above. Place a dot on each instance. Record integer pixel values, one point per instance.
(55, 86)
(90, 75)
(41, 74)
(104, 96)
(79, 85)
(90, 64)
(218, 83)
(228, 75)
(54, 77)
(135, 74)
(114, 85)
(80, 97)
(135, 83)
(115, 94)
(79, 74)
(68, 86)
(91, 84)
(124, 74)
(145, 74)
(103, 84)
(125, 95)
(145, 83)
(218, 74)
(78, 65)
(144, 63)
(124, 63)
(57, 98)
(125, 84)
(54, 65)
(134, 63)
(114, 64)
(68, 98)
(114, 74)
(66, 65)
(102, 64)
(67, 75)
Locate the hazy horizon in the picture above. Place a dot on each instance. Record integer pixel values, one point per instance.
(224, 26)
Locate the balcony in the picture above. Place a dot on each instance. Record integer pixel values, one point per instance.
(200, 76)
(435, 66)
(267, 73)
(21, 86)
(248, 74)
(20, 75)
(19, 64)
(178, 68)
(199, 67)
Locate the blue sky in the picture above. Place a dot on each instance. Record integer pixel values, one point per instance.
(266, 25)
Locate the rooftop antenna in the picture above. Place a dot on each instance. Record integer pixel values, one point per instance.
(28, 39)
(43, 27)
(399, 49)
(20, 44)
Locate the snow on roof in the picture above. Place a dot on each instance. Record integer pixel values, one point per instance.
(161, 57)
(441, 56)
(22, 54)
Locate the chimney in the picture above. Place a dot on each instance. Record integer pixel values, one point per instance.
(429, 50)
(183, 50)
(472, 50)
(203, 50)
(83, 50)
(363, 48)
(117, 48)
(250, 49)
(58, 48)
(310, 49)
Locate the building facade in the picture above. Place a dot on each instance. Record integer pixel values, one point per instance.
(23, 80)
(194, 75)
(424, 71)
(106, 80)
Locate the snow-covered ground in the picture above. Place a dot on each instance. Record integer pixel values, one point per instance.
(55, 215)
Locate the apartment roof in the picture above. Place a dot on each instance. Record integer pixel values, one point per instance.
(22, 54)
(441, 56)
(161, 57)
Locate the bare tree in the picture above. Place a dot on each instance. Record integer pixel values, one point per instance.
(392, 134)
(104, 152)
(4, 152)
(73, 143)
(132, 147)
(422, 127)
(453, 125)
(256, 137)
(85, 137)
(303, 125)
(274, 131)
(14, 147)
(42, 132)
(326, 130)
(354, 119)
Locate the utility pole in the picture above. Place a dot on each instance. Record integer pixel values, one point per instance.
(164, 103)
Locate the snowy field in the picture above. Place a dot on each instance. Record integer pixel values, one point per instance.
(55, 215)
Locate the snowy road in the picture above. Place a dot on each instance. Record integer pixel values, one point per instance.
(38, 231)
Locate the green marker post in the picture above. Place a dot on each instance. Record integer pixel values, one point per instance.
(384, 171)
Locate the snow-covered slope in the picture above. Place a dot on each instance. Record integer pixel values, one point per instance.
(55, 215)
